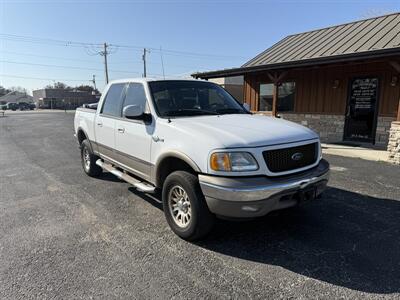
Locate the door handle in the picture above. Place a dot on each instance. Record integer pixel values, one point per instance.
(121, 130)
(100, 124)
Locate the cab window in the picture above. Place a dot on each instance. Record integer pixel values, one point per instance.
(113, 100)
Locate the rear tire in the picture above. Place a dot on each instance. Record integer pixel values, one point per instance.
(184, 206)
(89, 160)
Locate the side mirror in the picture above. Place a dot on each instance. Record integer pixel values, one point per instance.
(135, 112)
(246, 106)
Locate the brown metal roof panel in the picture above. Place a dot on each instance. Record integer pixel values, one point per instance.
(384, 29)
(268, 56)
(304, 39)
(352, 37)
(276, 45)
(309, 43)
(328, 36)
(273, 49)
(328, 45)
(317, 44)
(387, 40)
(373, 33)
(395, 42)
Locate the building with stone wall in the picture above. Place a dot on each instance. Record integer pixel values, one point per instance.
(342, 81)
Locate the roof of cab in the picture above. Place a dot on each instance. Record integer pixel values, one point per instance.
(149, 79)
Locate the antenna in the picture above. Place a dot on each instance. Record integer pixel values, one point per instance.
(162, 62)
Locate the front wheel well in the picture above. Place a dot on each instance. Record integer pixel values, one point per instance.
(169, 165)
(81, 136)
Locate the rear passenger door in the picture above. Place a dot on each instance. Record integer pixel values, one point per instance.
(105, 121)
(133, 137)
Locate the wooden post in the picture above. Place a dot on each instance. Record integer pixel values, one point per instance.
(398, 112)
(275, 99)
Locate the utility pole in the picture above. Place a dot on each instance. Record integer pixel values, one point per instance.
(144, 61)
(94, 82)
(104, 53)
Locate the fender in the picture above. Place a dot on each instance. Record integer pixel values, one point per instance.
(175, 154)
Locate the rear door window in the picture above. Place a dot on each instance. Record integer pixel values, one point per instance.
(113, 100)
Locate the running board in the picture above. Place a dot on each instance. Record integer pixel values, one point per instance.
(139, 185)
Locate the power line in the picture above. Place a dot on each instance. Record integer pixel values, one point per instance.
(28, 39)
(41, 78)
(93, 61)
(46, 56)
(65, 67)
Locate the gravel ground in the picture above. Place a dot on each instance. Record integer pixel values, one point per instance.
(66, 235)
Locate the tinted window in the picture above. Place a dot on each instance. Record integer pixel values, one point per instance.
(286, 94)
(112, 103)
(135, 95)
(174, 98)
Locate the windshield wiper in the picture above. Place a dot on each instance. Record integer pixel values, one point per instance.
(190, 112)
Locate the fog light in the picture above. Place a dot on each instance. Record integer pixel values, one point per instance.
(250, 208)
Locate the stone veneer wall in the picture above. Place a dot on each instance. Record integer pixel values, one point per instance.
(382, 130)
(394, 143)
(329, 127)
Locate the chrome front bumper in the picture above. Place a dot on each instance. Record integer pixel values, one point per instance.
(256, 196)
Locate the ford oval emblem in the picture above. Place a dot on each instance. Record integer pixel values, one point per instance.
(297, 156)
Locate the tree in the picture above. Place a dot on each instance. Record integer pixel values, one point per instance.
(3, 91)
(19, 89)
(58, 85)
(87, 88)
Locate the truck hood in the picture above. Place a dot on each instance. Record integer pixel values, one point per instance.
(239, 130)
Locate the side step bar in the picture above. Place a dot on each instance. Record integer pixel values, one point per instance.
(139, 185)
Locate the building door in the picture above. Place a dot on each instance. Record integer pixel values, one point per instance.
(362, 110)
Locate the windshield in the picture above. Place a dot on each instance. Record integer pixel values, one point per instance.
(174, 98)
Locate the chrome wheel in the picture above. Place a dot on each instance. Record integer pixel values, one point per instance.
(86, 159)
(179, 206)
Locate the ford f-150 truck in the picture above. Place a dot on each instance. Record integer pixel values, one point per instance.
(204, 152)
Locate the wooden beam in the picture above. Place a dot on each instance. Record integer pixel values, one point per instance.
(275, 96)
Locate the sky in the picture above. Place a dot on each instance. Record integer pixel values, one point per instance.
(42, 42)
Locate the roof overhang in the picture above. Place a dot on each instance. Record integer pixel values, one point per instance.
(343, 58)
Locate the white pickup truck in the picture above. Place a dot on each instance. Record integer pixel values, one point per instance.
(202, 150)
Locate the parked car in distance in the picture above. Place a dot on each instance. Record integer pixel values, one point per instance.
(12, 106)
(26, 106)
(207, 156)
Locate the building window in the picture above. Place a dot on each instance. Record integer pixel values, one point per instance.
(286, 92)
(266, 91)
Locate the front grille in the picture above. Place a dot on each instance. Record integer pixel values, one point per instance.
(281, 160)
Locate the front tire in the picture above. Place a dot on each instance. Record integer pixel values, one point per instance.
(89, 160)
(184, 206)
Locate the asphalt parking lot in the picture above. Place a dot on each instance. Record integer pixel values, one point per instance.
(66, 235)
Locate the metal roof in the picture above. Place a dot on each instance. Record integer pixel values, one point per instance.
(360, 38)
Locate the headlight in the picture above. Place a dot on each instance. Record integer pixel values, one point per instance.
(233, 161)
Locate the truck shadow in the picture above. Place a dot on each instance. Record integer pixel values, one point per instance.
(345, 238)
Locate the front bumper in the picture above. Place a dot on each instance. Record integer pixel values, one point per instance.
(247, 197)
